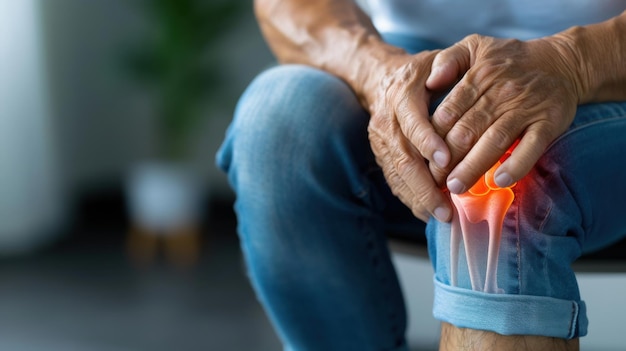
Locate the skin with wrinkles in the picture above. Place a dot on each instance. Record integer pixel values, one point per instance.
(506, 89)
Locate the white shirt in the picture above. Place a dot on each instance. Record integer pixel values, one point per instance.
(448, 21)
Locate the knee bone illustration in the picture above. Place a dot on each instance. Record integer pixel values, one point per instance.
(478, 223)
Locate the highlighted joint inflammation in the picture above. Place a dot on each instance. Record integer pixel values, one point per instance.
(478, 221)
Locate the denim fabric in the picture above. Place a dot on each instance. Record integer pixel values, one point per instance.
(313, 209)
(311, 203)
(569, 204)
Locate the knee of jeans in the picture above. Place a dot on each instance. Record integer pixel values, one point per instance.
(541, 236)
(292, 122)
(550, 223)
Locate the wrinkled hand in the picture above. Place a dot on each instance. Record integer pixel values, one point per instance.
(403, 139)
(503, 91)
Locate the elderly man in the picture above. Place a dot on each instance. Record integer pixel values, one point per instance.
(375, 119)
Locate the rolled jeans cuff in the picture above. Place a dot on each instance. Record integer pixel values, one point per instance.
(507, 314)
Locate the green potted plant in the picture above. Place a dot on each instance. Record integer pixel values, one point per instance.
(179, 65)
(179, 68)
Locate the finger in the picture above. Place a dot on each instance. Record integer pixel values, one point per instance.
(412, 115)
(384, 158)
(491, 146)
(409, 177)
(524, 157)
(448, 66)
(457, 66)
(401, 190)
(459, 100)
(465, 133)
(416, 176)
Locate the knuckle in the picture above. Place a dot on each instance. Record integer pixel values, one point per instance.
(427, 142)
(510, 89)
(378, 122)
(472, 39)
(395, 182)
(461, 98)
(466, 91)
(404, 165)
(462, 137)
(408, 71)
(428, 198)
(400, 189)
(512, 43)
(480, 116)
(424, 139)
(470, 90)
(373, 131)
(376, 141)
(445, 117)
(410, 128)
(498, 138)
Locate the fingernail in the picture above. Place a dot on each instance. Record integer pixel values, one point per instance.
(455, 186)
(442, 214)
(503, 180)
(440, 159)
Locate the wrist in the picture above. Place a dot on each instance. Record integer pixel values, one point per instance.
(374, 61)
(595, 55)
(569, 53)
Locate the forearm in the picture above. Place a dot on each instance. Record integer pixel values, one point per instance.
(598, 55)
(333, 35)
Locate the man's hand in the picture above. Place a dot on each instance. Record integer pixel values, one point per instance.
(506, 90)
(402, 137)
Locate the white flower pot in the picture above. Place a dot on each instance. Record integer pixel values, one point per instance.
(163, 197)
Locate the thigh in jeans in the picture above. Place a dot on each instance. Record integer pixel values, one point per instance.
(310, 203)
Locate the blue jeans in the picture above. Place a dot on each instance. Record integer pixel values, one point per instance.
(314, 209)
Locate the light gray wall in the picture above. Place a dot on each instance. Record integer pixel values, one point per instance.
(31, 205)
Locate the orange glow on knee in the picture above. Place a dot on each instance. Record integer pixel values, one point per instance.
(483, 206)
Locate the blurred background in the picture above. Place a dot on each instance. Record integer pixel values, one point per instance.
(116, 229)
(101, 103)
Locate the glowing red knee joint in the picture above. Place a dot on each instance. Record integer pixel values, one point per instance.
(479, 210)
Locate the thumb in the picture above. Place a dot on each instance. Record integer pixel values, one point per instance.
(449, 66)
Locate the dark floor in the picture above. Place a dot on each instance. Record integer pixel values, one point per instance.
(83, 293)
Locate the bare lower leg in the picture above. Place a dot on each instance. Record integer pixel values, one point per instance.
(460, 339)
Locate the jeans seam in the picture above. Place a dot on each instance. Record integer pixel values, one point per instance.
(520, 199)
(392, 312)
(574, 323)
(582, 127)
(518, 247)
(373, 205)
(364, 190)
(545, 218)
